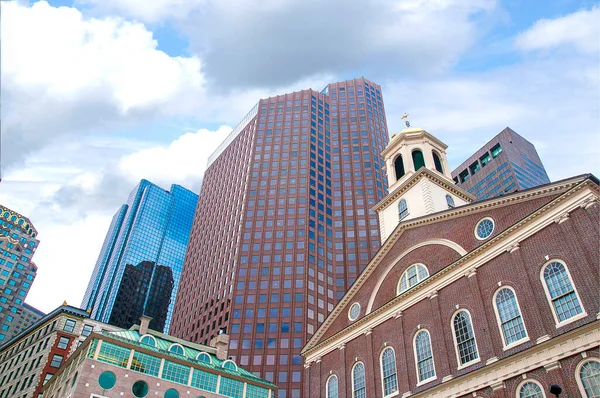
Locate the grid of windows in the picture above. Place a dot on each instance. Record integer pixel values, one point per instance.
(175, 372)
(204, 380)
(511, 321)
(565, 301)
(114, 354)
(145, 363)
(256, 392)
(413, 275)
(388, 369)
(56, 361)
(231, 388)
(465, 338)
(359, 386)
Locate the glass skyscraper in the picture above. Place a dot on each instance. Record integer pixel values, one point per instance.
(284, 225)
(507, 163)
(139, 266)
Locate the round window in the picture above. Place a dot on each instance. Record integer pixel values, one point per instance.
(107, 380)
(171, 393)
(354, 311)
(140, 389)
(484, 228)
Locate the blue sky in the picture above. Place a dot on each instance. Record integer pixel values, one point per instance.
(98, 94)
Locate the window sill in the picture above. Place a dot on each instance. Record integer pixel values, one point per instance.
(516, 343)
(466, 365)
(426, 381)
(571, 320)
(394, 394)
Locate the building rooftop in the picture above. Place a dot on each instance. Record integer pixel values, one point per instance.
(18, 219)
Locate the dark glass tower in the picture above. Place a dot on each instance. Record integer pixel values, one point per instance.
(507, 163)
(283, 225)
(139, 266)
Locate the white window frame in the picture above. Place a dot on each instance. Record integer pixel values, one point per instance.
(522, 383)
(456, 351)
(397, 392)
(205, 353)
(578, 376)
(352, 376)
(227, 361)
(434, 377)
(327, 385)
(350, 310)
(477, 226)
(148, 335)
(499, 321)
(177, 345)
(398, 292)
(547, 292)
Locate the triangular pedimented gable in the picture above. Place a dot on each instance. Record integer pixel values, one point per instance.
(516, 212)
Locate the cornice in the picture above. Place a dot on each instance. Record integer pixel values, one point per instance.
(575, 185)
(402, 137)
(414, 179)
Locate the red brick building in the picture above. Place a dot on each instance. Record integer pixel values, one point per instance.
(498, 298)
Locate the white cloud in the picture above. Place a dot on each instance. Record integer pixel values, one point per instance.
(146, 10)
(579, 30)
(67, 75)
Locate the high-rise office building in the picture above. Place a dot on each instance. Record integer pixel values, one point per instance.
(139, 266)
(27, 316)
(507, 163)
(284, 225)
(17, 246)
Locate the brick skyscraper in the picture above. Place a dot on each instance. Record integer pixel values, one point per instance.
(283, 225)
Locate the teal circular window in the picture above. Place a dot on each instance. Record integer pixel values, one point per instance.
(140, 389)
(484, 228)
(107, 380)
(171, 393)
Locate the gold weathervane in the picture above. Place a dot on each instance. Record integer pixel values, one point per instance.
(405, 117)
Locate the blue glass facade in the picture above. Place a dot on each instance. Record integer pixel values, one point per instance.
(144, 250)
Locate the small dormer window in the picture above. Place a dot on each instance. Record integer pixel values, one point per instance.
(229, 364)
(177, 349)
(148, 340)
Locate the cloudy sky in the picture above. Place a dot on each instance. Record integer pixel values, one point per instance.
(97, 94)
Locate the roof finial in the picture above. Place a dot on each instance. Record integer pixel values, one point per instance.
(405, 117)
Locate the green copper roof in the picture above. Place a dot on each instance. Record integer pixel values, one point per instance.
(190, 354)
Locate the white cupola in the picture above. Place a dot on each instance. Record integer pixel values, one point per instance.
(419, 180)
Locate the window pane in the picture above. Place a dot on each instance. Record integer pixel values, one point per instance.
(424, 356)
(561, 291)
(465, 339)
(358, 379)
(388, 366)
(531, 390)
(332, 387)
(510, 316)
(590, 378)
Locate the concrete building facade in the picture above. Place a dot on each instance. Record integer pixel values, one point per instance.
(139, 266)
(493, 298)
(507, 163)
(284, 225)
(18, 244)
(25, 318)
(32, 357)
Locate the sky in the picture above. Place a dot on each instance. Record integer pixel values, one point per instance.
(98, 94)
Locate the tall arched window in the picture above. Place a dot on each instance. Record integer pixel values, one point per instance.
(332, 387)
(388, 372)
(413, 275)
(450, 201)
(588, 378)
(418, 159)
(424, 356)
(359, 386)
(437, 162)
(530, 389)
(466, 346)
(399, 167)
(509, 317)
(402, 209)
(561, 293)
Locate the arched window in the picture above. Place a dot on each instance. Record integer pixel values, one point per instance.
(588, 378)
(402, 209)
(413, 275)
(149, 340)
(177, 349)
(399, 167)
(450, 201)
(388, 372)
(437, 162)
(229, 364)
(359, 386)
(203, 357)
(530, 389)
(561, 293)
(424, 356)
(466, 346)
(332, 387)
(509, 317)
(418, 159)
